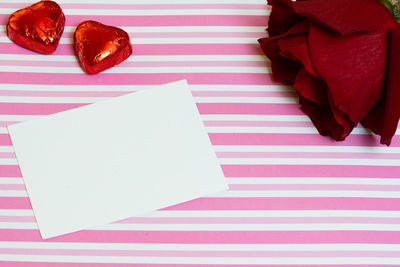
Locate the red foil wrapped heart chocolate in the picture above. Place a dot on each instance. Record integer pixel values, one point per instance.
(100, 47)
(38, 27)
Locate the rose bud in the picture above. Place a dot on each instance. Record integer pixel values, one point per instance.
(336, 53)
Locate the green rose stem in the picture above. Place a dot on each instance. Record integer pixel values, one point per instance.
(394, 7)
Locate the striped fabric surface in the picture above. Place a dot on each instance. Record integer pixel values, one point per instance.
(295, 198)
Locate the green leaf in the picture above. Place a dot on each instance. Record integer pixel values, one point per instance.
(388, 4)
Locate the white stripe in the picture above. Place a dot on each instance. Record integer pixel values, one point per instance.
(140, 58)
(202, 260)
(8, 161)
(10, 181)
(352, 149)
(133, 29)
(203, 247)
(373, 151)
(6, 148)
(29, 99)
(13, 193)
(226, 227)
(309, 161)
(317, 180)
(154, 12)
(244, 213)
(235, 69)
(284, 161)
(3, 130)
(309, 193)
(15, 212)
(182, 40)
(243, 227)
(270, 193)
(187, 29)
(17, 118)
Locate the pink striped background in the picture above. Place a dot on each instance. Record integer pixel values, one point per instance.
(295, 199)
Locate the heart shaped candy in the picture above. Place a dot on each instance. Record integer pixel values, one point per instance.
(38, 27)
(100, 47)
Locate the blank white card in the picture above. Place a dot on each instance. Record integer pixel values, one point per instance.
(118, 158)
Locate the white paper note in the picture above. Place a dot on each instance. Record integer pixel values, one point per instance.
(118, 158)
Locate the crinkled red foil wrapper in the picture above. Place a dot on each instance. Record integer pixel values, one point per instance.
(38, 27)
(100, 47)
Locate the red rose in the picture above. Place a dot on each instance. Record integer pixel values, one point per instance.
(340, 57)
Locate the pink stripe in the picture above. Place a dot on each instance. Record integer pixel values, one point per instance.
(174, 253)
(207, 237)
(291, 139)
(290, 203)
(4, 141)
(311, 171)
(216, 138)
(157, 49)
(7, 155)
(9, 170)
(345, 155)
(141, 79)
(119, 93)
(145, 6)
(257, 124)
(167, 20)
(345, 187)
(249, 109)
(32, 109)
(63, 93)
(15, 203)
(280, 171)
(204, 108)
(12, 187)
(243, 94)
(272, 187)
(254, 35)
(6, 123)
(257, 203)
(60, 264)
(137, 64)
(233, 220)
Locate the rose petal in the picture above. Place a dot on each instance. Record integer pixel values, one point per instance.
(311, 87)
(343, 16)
(296, 48)
(353, 67)
(383, 120)
(324, 120)
(281, 18)
(283, 69)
